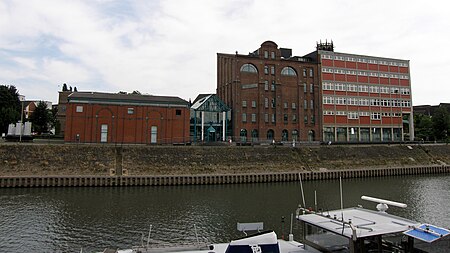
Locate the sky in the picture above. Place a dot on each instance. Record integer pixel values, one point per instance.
(169, 47)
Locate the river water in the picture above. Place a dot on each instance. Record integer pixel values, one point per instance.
(93, 218)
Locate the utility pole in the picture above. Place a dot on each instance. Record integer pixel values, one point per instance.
(22, 98)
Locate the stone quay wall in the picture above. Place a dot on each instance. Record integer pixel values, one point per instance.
(29, 165)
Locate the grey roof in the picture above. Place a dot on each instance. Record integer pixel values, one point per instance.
(125, 99)
(367, 222)
(209, 103)
(200, 96)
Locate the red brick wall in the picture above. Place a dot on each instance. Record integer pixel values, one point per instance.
(124, 127)
(289, 89)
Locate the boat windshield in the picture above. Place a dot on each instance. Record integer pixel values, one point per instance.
(326, 241)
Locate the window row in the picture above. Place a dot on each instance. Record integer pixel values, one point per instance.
(366, 101)
(270, 135)
(286, 71)
(363, 60)
(272, 118)
(285, 104)
(356, 115)
(363, 73)
(365, 88)
(266, 54)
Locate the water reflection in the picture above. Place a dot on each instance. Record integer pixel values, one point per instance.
(66, 219)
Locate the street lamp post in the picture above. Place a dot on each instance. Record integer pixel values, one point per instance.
(21, 119)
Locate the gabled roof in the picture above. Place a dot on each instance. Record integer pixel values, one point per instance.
(125, 99)
(209, 103)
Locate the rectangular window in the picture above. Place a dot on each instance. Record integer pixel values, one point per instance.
(244, 103)
(395, 90)
(375, 102)
(177, 112)
(305, 104)
(328, 86)
(285, 104)
(104, 133)
(352, 115)
(313, 119)
(311, 104)
(304, 72)
(266, 54)
(375, 115)
(266, 70)
(272, 87)
(294, 118)
(130, 110)
(266, 117)
(352, 101)
(305, 88)
(253, 103)
(266, 102)
(305, 119)
(272, 70)
(363, 88)
(311, 88)
(273, 103)
(272, 54)
(273, 118)
(352, 87)
(154, 134)
(244, 117)
(328, 100)
(340, 87)
(79, 108)
(374, 89)
(253, 117)
(364, 113)
(340, 101)
(293, 106)
(266, 85)
(311, 72)
(285, 118)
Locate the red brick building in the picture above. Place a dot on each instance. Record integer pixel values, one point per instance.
(364, 98)
(273, 95)
(94, 117)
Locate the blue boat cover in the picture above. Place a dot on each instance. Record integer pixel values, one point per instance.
(427, 233)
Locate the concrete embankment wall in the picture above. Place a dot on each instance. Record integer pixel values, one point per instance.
(58, 181)
(25, 165)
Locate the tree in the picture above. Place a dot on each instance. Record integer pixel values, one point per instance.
(423, 127)
(41, 118)
(441, 124)
(9, 106)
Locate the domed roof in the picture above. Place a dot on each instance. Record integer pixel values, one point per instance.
(269, 43)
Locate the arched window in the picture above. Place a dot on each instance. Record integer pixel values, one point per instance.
(284, 135)
(254, 135)
(295, 135)
(250, 68)
(243, 135)
(288, 71)
(270, 134)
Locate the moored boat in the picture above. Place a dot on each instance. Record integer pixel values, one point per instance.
(353, 230)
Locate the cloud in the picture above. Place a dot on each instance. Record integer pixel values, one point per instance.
(169, 47)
